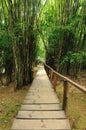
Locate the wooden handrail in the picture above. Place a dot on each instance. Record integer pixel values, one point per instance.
(52, 75)
(83, 89)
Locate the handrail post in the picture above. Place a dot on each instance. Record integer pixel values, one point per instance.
(65, 97)
(49, 73)
(51, 76)
(54, 82)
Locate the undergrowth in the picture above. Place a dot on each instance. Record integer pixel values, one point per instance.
(10, 103)
(76, 107)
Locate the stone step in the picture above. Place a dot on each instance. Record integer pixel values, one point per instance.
(21, 124)
(41, 115)
(40, 100)
(40, 107)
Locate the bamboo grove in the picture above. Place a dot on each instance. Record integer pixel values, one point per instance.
(18, 18)
(61, 26)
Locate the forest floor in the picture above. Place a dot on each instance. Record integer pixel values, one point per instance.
(10, 103)
(76, 103)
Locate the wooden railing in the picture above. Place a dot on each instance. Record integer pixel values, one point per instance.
(53, 75)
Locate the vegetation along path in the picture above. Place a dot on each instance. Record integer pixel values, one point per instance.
(41, 109)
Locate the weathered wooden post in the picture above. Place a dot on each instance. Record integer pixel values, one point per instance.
(54, 82)
(65, 97)
(47, 70)
(49, 73)
(51, 77)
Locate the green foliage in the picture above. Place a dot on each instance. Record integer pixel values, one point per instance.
(40, 50)
(63, 27)
(74, 57)
(6, 51)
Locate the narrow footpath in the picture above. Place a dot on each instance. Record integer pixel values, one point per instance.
(41, 109)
